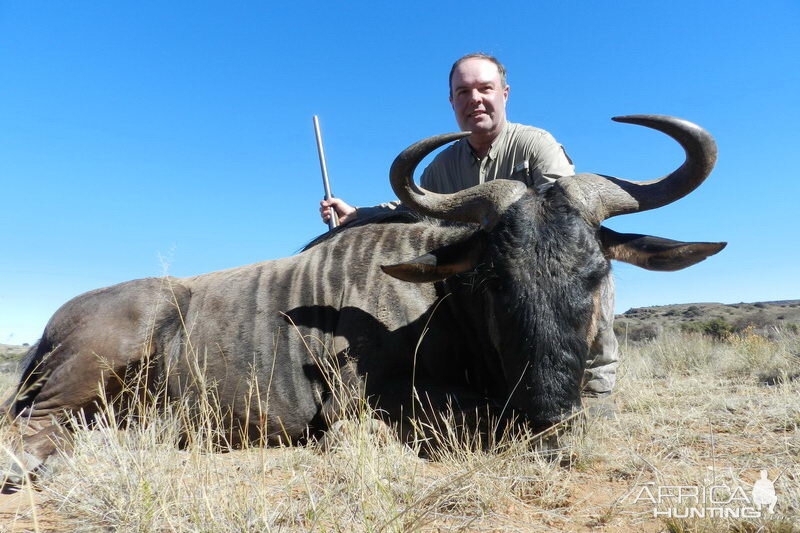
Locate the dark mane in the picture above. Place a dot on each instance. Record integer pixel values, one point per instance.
(401, 215)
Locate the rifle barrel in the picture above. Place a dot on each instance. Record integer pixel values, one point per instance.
(334, 220)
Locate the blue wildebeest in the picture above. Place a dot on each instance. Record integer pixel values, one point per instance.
(505, 280)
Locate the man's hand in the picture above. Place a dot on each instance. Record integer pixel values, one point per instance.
(345, 211)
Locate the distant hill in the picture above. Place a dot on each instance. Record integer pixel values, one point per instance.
(8, 351)
(10, 354)
(642, 323)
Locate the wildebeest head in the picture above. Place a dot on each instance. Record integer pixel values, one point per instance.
(538, 260)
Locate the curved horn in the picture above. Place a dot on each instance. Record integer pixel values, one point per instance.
(608, 196)
(483, 203)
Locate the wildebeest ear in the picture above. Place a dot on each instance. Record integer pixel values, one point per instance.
(441, 263)
(655, 253)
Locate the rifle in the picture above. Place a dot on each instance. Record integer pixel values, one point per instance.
(334, 220)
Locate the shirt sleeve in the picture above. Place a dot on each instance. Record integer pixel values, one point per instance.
(428, 181)
(549, 161)
(364, 212)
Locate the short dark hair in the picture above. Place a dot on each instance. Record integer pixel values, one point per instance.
(500, 68)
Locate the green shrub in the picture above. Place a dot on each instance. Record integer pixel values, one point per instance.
(717, 328)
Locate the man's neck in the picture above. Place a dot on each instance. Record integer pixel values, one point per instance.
(482, 144)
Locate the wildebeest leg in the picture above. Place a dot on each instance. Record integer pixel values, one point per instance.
(41, 438)
(68, 385)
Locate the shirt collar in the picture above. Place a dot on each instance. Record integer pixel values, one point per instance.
(493, 149)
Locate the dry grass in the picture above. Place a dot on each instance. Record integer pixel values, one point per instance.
(691, 411)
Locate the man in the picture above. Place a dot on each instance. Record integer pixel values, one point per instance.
(498, 149)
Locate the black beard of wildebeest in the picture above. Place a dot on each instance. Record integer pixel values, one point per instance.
(543, 286)
(482, 300)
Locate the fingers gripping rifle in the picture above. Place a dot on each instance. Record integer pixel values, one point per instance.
(334, 220)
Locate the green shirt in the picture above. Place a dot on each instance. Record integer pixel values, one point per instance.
(530, 155)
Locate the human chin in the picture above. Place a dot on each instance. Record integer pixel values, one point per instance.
(479, 123)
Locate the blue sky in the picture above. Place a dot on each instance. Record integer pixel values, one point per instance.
(147, 137)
